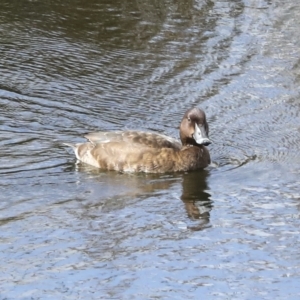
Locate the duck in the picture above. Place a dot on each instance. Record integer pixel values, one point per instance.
(149, 152)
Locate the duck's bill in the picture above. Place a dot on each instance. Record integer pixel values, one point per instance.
(200, 136)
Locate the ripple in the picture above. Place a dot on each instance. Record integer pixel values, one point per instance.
(229, 231)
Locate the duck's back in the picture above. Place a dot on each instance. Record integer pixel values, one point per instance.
(139, 138)
(130, 151)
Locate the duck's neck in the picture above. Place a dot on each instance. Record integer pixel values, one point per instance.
(193, 157)
(188, 142)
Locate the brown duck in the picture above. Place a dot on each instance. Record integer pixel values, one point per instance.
(138, 151)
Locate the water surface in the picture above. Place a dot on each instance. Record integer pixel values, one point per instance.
(72, 232)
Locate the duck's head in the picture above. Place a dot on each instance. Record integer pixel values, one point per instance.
(194, 128)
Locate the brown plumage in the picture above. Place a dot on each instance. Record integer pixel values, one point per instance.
(138, 151)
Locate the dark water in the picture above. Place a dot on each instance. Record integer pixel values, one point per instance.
(72, 232)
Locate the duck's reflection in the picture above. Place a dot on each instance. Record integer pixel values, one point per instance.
(196, 198)
(135, 187)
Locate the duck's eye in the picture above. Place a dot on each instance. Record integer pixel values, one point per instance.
(189, 119)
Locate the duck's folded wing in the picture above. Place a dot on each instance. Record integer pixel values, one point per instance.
(148, 139)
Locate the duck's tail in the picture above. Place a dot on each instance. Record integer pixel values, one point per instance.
(71, 145)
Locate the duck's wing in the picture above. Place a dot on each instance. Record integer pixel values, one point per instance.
(139, 138)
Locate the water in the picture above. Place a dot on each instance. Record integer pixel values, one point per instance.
(72, 232)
